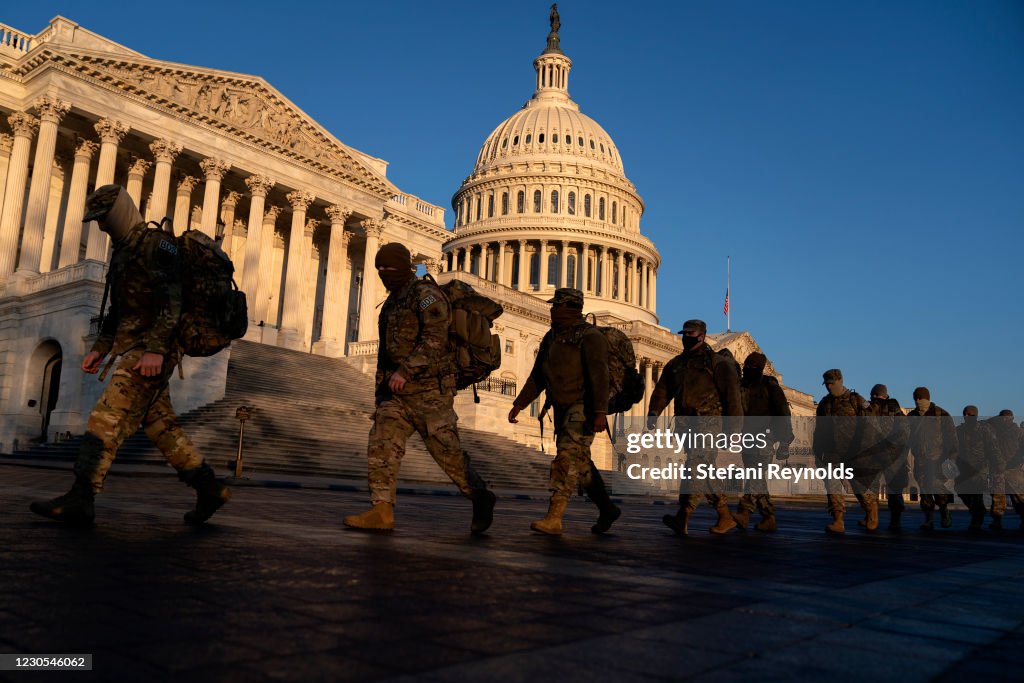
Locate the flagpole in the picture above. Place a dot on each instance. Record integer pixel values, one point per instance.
(728, 278)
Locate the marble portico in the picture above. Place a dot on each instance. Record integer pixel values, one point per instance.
(300, 213)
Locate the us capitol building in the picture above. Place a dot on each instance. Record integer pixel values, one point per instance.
(301, 214)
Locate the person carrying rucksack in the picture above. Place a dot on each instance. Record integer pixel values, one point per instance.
(416, 379)
(572, 367)
(140, 336)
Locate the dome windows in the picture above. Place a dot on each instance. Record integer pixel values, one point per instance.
(602, 148)
(591, 143)
(515, 140)
(572, 204)
(536, 201)
(490, 206)
(580, 140)
(521, 202)
(600, 209)
(554, 201)
(554, 139)
(529, 138)
(615, 211)
(540, 138)
(504, 203)
(586, 206)
(504, 143)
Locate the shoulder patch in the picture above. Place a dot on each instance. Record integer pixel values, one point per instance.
(426, 301)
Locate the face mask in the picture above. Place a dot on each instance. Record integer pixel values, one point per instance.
(394, 279)
(563, 316)
(752, 376)
(690, 342)
(923, 404)
(970, 420)
(836, 389)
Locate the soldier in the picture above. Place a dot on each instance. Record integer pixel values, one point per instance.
(977, 457)
(837, 441)
(932, 441)
(765, 410)
(415, 391)
(704, 384)
(139, 336)
(572, 367)
(893, 454)
(1007, 477)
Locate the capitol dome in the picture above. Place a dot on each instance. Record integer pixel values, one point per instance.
(548, 205)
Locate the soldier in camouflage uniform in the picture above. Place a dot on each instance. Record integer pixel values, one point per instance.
(138, 334)
(893, 453)
(765, 410)
(704, 384)
(572, 367)
(1008, 477)
(978, 455)
(415, 391)
(837, 441)
(932, 441)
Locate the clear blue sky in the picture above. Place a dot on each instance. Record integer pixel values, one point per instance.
(862, 162)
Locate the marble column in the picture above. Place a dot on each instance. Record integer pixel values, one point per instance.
(641, 287)
(620, 263)
(136, 175)
(251, 262)
(24, 127)
(239, 235)
(51, 111)
(433, 266)
(581, 268)
(648, 384)
(71, 244)
(111, 133)
(164, 152)
(542, 259)
(647, 285)
(368, 305)
(336, 290)
(233, 241)
(654, 291)
(563, 273)
(182, 202)
(6, 142)
(263, 270)
(524, 267)
(501, 263)
(292, 334)
(214, 170)
(54, 200)
(599, 270)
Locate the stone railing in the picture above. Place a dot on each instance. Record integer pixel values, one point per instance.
(420, 206)
(14, 41)
(494, 290)
(93, 271)
(497, 385)
(363, 348)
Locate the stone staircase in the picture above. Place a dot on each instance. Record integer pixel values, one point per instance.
(311, 416)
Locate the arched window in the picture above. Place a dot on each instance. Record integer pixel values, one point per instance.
(586, 205)
(580, 139)
(572, 204)
(554, 201)
(515, 140)
(521, 202)
(479, 206)
(591, 144)
(554, 139)
(540, 138)
(504, 203)
(474, 261)
(515, 269)
(615, 211)
(600, 209)
(570, 271)
(490, 206)
(553, 266)
(504, 143)
(529, 138)
(536, 201)
(535, 270)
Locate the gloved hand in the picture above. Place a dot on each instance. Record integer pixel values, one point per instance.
(783, 452)
(652, 422)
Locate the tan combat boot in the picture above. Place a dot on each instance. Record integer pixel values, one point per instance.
(767, 524)
(679, 522)
(870, 521)
(742, 518)
(381, 517)
(725, 521)
(836, 527)
(552, 522)
(75, 507)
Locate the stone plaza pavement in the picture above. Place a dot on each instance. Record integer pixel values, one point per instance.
(274, 589)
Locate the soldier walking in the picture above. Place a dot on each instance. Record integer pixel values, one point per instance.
(704, 384)
(932, 441)
(837, 440)
(138, 334)
(765, 410)
(1007, 478)
(415, 391)
(572, 367)
(893, 451)
(977, 456)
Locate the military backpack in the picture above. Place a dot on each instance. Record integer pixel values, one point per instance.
(477, 351)
(213, 311)
(625, 383)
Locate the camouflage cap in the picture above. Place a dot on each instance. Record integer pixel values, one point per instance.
(567, 296)
(698, 326)
(833, 375)
(1005, 413)
(971, 411)
(100, 202)
(922, 392)
(879, 390)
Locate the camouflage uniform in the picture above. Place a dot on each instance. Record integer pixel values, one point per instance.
(1007, 477)
(572, 367)
(764, 408)
(978, 455)
(145, 291)
(701, 383)
(932, 440)
(895, 466)
(413, 333)
(837, 440)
